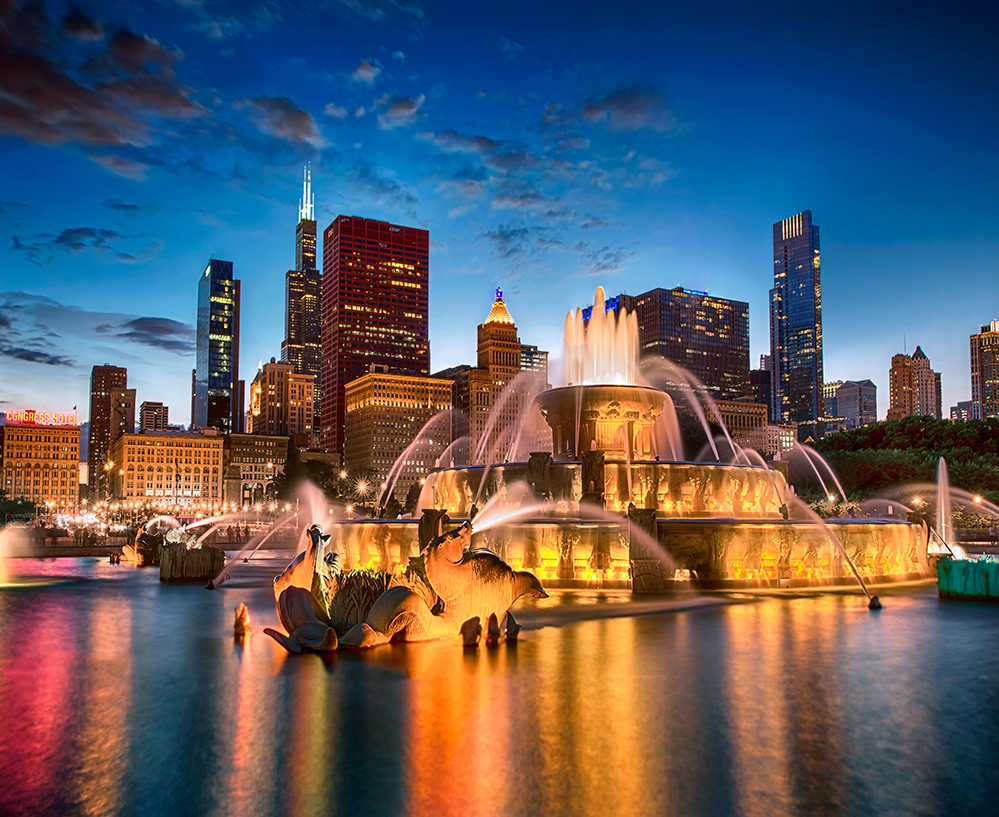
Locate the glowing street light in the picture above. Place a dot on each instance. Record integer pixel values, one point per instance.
(978, 499)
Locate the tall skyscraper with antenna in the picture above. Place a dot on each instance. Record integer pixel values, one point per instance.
(302, 345)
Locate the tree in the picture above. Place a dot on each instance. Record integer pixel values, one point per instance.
(16, 508)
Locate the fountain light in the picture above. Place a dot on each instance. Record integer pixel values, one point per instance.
(917, 501)
(832, 497)
(978, 499)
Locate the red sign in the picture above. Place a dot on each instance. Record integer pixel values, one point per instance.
(32, 417)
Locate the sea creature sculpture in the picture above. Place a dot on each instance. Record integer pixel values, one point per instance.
(241, 624)
(471, 587)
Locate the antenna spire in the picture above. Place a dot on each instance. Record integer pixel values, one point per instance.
(307, 204)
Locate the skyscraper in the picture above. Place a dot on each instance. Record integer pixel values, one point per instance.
(913, 387)
(857, 402)
(218, 399)
(302, 344)
(985, 372)
(796, 321)
(374, 309)
(106, 383)
(706, 335)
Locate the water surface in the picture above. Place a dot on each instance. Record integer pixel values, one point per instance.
(119, 695)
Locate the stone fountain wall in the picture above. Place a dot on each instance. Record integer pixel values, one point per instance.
(675, 490)
(621, 553)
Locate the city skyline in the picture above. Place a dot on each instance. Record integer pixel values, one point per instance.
(535, 164)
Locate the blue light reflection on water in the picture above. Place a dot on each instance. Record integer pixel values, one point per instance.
(122, 696)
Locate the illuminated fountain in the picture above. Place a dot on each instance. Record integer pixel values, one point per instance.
(614, 503)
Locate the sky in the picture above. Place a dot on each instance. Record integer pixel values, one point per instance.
(548, 147)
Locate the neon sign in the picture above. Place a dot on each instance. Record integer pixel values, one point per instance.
(32, 417)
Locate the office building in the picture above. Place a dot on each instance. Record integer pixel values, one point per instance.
(985, 372)
(962, 412)
(388, 416)
(169, 468)
(374, 308)
(153, 416)
(706, 335)
(482, 416)
(533, 359)
(218, 399)
(302, 344)
(281, 401)
(829, 407)
(107, 384)
(796, 322)
(251, 462)
(857, 403)
(40, 462)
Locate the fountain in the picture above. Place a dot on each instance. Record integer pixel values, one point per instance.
(606, 508)
(601, 509)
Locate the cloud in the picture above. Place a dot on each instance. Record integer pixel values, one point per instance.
(335, 111)
(367, 72)
(161, 333)
(80, 27)
(516, 242)
(129, 169)
(73, 85)
(118, 204)
(28, 334)
(400, 113)
(35, 356)
(508, 47)
(631, 108)
(399, 55)
(604, 260)
(453, 142)
(278, 117)
(372, 187)
(70, 241)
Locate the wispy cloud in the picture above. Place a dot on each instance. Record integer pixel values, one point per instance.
(367, 72)
(281, 118)
(400, 112)
(44, 249)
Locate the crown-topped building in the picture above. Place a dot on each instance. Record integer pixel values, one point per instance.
(302, 345)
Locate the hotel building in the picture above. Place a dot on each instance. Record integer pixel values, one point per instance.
(985, 372)
(41, 462)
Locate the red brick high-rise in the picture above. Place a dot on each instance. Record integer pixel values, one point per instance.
(374, 310)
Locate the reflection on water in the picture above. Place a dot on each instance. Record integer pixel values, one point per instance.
(122, 696)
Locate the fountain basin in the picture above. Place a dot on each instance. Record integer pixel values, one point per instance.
(722, 554)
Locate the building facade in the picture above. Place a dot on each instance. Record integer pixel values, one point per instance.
(962, 412)
(796, 322)
(169, 468)
(929, 401)
(251, 464)
(706, 335)
(389, 416)
(40, 463)
(914, 388)
(153, 416)
(374, 310)
(281, 401)
(107, 383)
(302, 344)
(985, 372)
(218, 397)
(857, 403)
(533, 359)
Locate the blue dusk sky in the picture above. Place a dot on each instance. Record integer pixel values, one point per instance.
(548, 147)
